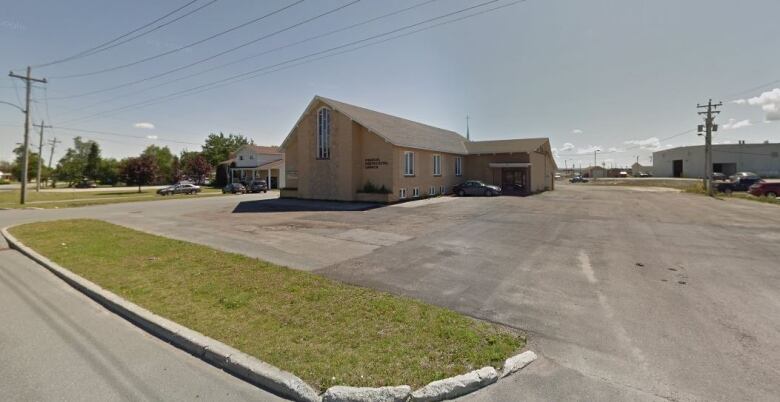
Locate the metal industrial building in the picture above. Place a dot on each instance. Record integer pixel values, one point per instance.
(762, 159)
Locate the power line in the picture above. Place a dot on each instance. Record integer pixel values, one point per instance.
(105, 45)
(124, 135)
(203, 60)
(252, 73)
(198, 42)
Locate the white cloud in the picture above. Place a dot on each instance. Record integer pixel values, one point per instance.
(769, 102)
(739, 101)
(589, 149)
(144, 125)
(733, 124)
(652, 143)
(151, 137)
(615, 149)
(576, 131)
(568, 146)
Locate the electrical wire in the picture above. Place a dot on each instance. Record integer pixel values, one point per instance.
(250, 74)
(105, 45)
(178, 49)
(203, 60)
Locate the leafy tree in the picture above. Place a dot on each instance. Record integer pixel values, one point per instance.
(32, 165)
(72, 166)
(108, 171)
(92, 164)
(197, 168)
(219, 147)
(139, 171)
(163, 159)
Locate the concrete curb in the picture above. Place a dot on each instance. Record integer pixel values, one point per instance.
(362, 394)
(454, 387)
(517, 362)
(214, 352)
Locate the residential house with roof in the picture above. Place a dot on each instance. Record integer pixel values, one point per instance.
(338, 151)
(254, 162)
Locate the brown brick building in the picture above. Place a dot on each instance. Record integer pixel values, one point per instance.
(338, 151)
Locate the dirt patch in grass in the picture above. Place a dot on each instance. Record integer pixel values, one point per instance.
(325, 332)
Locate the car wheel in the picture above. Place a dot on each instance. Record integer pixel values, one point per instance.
(771, 194)
(728, 191)
(489, 193)
(461, 193)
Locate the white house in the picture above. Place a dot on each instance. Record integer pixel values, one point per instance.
(254, 162)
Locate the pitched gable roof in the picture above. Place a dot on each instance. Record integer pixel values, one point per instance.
(411, 134)
(401, 132)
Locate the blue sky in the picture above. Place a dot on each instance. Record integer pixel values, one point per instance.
(621, 75)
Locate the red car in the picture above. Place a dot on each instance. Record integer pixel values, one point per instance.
(767, 188)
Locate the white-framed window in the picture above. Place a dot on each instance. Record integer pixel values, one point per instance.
(240, 157)
(441, 190)
(251, 157)
(416, 192)
(437, 165)
(402, 193)
(458, 166)
(432, 190)
(323, 133)
(408, 163)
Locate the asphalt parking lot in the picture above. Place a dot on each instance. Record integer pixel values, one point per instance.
(626, 293)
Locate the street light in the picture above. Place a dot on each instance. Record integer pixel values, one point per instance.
(9, 103)
(595, 163)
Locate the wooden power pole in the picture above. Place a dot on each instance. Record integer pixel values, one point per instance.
(40, 155)
(53, 142)
(28, 79)
(708, 127)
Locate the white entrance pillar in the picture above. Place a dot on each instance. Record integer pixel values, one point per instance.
(268, 183)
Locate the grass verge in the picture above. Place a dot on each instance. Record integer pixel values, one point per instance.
(80, 198)
(325, 332)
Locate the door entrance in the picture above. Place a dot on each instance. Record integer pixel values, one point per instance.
(514, 180)
(677, 168)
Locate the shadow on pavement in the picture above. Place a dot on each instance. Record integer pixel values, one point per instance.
(294, 205)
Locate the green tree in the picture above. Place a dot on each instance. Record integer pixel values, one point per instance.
(218, 147)
(108, 171)
(176, 171)
(72, 166)
(163, 159)
(92, 164)
(32, 165)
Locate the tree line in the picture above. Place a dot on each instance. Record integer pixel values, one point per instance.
(156, 165)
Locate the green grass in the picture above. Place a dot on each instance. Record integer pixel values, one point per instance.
(323, 331)
(80, 198)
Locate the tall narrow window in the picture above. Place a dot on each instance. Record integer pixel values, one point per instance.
(408, 163)
(323, 134)
(458, 166)
(437, 165)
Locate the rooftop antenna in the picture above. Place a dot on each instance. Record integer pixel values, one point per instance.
(468, 135)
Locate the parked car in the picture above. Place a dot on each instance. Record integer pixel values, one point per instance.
(185, 188)
(257, 186)
(738, 182)
(578, 179)
(476, 187)
(767, 188)
(623, 174)
(645, 174)
(719, 176)
(86, 184)
(234, 188)
(557, 176)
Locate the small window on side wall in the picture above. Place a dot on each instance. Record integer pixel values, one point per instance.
(402, 193)
(458, 166)
(437, 165)
(416, 192)
(408, 163)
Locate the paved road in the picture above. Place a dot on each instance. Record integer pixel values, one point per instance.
(627, 294)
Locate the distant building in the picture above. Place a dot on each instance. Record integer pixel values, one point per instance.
(638, 168)
(594, 172)
(762, 159)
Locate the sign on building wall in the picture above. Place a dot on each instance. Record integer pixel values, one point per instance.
(374, 163)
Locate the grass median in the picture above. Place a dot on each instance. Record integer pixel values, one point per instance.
(80, 198)
(323, 331)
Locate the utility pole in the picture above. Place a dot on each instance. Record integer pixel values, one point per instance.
(28, 79)
(53, 142)
(40, 155)
(708, 128)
